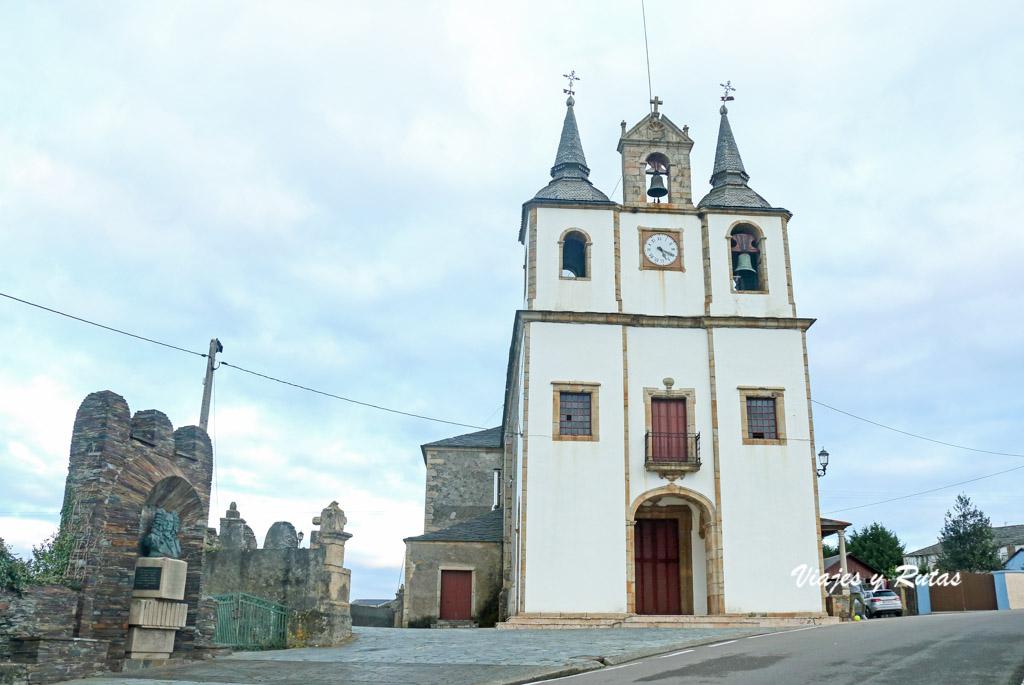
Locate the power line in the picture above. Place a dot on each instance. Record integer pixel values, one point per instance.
(647, 52)
(349, 399)
(914, 435)
(99, 325)
(925, 492)
(254, 373)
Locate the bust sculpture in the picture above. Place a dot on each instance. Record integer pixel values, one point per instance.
(161, 540)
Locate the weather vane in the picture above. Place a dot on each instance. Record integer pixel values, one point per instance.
(728, 87)
(572, 77)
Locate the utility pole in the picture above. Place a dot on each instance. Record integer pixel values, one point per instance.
(204, 413)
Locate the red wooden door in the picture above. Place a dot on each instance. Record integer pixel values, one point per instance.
(668, 429)
(456, 595)
(656, 550)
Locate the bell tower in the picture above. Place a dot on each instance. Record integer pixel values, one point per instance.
(653, 151)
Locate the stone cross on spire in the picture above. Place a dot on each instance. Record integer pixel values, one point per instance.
(656, 101)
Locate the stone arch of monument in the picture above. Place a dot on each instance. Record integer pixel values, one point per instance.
(121, 469)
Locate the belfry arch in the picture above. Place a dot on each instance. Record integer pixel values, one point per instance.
(695, 519)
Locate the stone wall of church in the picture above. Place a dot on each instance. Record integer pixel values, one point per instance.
(460, 485)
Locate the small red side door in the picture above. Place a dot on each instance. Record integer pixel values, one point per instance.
(456, 595)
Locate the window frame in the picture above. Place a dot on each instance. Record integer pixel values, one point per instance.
(762, 261)
(574, 387)
(777, 394)
(586, 254)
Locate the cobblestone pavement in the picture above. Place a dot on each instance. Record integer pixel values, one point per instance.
(451, 657)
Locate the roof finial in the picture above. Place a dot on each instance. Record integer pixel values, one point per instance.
(655, 101)
(726, 97)
(569, 91)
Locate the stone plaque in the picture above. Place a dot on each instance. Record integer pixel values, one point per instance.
(147, 578)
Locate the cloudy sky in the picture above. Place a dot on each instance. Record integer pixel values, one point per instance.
(333, 190)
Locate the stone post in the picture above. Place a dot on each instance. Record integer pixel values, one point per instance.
(842, 561)
(333, 623)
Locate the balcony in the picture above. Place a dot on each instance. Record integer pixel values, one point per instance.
(672, 455)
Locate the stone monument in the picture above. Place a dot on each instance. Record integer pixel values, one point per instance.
(157, 610)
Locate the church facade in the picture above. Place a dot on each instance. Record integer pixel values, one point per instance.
(656, 453)
(659, 447)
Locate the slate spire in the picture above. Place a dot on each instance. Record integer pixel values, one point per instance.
(570, 176)
(729, 187)
(570, 161)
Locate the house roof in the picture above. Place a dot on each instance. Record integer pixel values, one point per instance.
(487, 438)
(831, 526)
(828, 562)
(486, 528)
(1004, 535)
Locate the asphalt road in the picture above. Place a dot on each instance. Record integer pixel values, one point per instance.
(965, 648)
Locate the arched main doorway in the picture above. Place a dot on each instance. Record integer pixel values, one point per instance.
(674, 554)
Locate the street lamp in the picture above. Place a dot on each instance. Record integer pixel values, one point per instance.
(823, 460)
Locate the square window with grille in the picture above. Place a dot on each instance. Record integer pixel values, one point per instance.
(761, 423)
(574, 413)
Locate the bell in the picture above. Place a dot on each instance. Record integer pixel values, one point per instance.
(657, 188)
(743, 265)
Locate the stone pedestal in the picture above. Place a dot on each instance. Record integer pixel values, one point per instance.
(157, 611)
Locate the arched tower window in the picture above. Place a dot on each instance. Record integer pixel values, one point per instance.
(657, 177)
(574, 255)
(746, 249)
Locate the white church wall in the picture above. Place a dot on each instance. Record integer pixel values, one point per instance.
(681, 354)
(768, 505)
(724, 302)
(658, 292)
(575, 509)
(596, 293)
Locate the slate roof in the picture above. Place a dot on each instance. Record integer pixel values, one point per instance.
(491, 437)
(1004, 535)
(729, 189)
(486, 528)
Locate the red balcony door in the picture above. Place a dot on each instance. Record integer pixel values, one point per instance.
(456, 595)
(656, 554)
(668, 429)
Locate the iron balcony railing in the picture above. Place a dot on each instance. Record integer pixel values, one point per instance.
(673, 448)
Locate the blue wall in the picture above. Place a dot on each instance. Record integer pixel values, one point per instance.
(924, 600)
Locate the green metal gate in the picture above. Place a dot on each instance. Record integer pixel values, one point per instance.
(250, 622)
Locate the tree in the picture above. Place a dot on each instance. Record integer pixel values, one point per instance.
(15, 574)
(878, 546)
(968, 543)
(828, 550)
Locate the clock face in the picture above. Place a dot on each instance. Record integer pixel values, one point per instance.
(661, 249)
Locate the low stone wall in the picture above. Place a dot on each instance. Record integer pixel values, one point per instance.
(36, 638)
(382, 616)
(50, 659)
(311, 582)
(285, 576)
(41, 611)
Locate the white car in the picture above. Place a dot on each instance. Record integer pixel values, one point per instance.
(881, 603)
